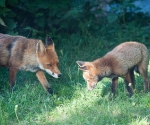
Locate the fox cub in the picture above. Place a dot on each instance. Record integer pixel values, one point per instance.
(120, 62)
(20, 53)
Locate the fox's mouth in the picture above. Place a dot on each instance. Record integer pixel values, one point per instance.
(91, 87)
(53, 74)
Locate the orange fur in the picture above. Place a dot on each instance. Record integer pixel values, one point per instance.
(20, 53)
(120, 62)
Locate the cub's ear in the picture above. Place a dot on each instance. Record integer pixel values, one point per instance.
(48, 40)
(82, 65)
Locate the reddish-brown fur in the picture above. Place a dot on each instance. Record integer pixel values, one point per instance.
(120, 62)
(20, 53)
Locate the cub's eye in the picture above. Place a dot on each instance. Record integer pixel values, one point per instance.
(50, 65)
(88, 80)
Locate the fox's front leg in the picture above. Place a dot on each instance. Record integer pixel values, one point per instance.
(41, 77)
(12, 77)
(128, 82)
(114, 83)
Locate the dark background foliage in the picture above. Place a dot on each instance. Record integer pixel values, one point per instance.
(73, 19)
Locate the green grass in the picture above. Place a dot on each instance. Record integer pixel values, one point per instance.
(72, 103)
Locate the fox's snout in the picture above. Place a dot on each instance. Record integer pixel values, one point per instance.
(59, 75)
(91, 87)
(55, 75)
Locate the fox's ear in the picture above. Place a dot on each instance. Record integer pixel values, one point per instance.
(49, 42)
(40, 48)
(83, 65)
(80, 63)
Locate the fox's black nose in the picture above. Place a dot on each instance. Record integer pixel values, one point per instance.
(59, 75)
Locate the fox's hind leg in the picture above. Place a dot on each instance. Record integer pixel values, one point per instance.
(114, 83)
(128, 82)
(132, 77)
(144, 74)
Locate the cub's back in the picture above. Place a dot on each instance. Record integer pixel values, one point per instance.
(130, 53)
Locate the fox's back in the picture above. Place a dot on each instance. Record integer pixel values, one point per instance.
(16, 48)
(129, 54)
(129, 47)
(6, 43)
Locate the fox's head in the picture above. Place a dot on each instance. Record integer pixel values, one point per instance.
(89, 74)
(47, 57)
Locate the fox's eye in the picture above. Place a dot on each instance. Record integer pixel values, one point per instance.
(88, 80)
(57, 64)
(50, 65)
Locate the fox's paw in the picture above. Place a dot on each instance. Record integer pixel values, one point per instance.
(50, 91)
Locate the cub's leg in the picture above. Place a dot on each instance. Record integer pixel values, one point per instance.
(144, 74)
(131, 71)
(41, 77)
(128, 82)
(114, 83)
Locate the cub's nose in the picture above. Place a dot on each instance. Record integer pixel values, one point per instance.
(59, 75)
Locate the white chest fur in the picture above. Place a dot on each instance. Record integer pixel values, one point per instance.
(32, 68)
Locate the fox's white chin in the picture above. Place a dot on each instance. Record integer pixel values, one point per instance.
(51, 73)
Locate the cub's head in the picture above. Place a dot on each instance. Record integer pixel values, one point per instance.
(89, 74)
(47, 57)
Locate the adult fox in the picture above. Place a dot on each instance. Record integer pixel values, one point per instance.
(120, 62)
(20, 53)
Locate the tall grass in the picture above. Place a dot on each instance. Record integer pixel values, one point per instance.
(71, 103)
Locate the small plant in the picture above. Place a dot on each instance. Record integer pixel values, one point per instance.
(16, 112)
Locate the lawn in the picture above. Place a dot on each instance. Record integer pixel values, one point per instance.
(72, 103)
